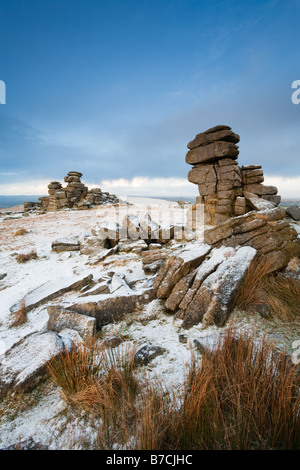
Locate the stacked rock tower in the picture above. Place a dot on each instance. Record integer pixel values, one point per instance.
(225, 189)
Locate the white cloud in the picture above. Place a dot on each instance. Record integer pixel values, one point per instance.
(34, 187)
(144, 186)
(288, 187)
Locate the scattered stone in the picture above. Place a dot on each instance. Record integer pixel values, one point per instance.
(70, 338)
(117, 282)
(264, 310)
(147, 353)
(66, 244)
(112, 341)
(103, 288)
(127, 246)
(183, 338)
(2, 276)
(91, 245)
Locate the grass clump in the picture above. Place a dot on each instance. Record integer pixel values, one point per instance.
(251, 290)
(20, 316)
(240, 396)
(281, 293)
(23, 258)
(20, 232)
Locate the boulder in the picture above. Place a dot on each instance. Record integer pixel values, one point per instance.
(258, 203)
(147, 353)
(212, 152)
(66, 244)
(61, 318)
(25, 363)
(112, 309)
(176, 267)
(206, 138)
(293, 212)
(214, 300)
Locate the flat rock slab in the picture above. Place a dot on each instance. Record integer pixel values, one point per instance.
(66, 244)
(25, 363)
(113, 309)
(48, 291)
(212, 152)
(206, 138)
(258, 203)
(61, 318)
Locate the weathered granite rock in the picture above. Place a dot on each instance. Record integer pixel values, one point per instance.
(226, 189)
(74, 195)
(209, 137)
(66, 244)
(212, 152)
(176, 267)
(214, 300)
(179, 291)
(25, 363)
(112, 309)
(147, 353)
(260, 189)
(61, 318)
(293, 212)
(258, 203)
(48, 291)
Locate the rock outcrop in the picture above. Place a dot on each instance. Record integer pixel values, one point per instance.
(202, 288)
(74, 195)
(225, 189)
(245, 221)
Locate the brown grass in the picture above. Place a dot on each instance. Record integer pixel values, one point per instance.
(283, 296)
(241, 396)
(23, 258)
(250, 291)
(281, 293)
(20, 232)
(20, 316)
(238, 398)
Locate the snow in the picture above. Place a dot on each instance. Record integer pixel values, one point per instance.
(48, 421)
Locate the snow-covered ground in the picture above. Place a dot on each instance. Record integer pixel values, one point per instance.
(43, 415)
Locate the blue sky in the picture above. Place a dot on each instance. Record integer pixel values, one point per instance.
(115, 89)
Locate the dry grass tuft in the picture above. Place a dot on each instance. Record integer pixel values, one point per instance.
(20, 232)
(281, 293)
(250, 292)
(283, 296)
(241, 396)
(23, 258)
(20, 317)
